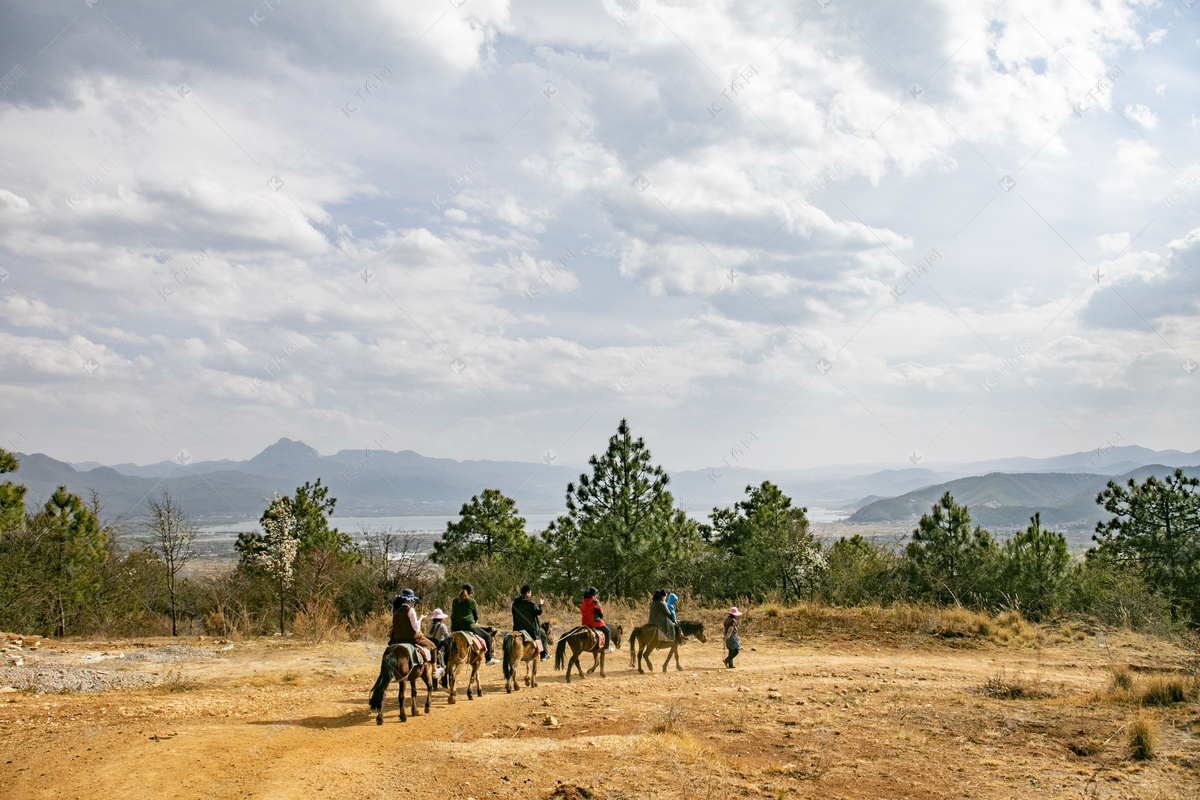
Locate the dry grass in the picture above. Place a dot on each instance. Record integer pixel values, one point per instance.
(1158, 690)
(377, 627)
(1122, 678)
(319, 622)
(289, 677)
(1163, 690)
(669, 720)
(1142, 738)
(176, 681)
(1002, 686)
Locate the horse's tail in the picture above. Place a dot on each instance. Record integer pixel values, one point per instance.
(632, 641)
(386, 668)
(508, 664)
(560, 652)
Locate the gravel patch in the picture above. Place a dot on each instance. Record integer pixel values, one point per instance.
(169, 654)
(72, 679)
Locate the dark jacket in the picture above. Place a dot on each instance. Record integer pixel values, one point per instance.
(731, 632)
(464, 613)
(525, 616)
(660, 617)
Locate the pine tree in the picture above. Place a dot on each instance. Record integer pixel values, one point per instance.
(951, 561)
(487, 526)
(1157, 528)
(621, 531)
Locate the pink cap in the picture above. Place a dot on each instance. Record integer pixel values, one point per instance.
(438, 614)
(733, 612)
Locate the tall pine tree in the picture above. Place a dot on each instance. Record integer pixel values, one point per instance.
(622, 532)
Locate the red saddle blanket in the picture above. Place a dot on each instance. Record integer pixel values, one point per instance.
(475, 640)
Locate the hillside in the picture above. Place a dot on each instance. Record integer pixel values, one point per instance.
(1002, 501)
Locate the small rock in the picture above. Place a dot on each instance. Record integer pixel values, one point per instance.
(6, 689)
(546, 703)
(743, 688)
(550, 721)
(774, 695)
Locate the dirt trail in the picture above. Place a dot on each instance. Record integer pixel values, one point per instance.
(282, 720)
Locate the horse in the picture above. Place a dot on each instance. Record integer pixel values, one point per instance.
(396, 663)
(464, 649)
(648, 639)
(585, 640)
(518, 648)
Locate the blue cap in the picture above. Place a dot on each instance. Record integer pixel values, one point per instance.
(407, 594)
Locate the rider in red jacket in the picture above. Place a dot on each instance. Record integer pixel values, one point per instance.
(593, 615)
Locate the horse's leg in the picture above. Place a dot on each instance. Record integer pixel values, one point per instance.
(531, 671)
(428, 685)
(412, 680)
(403, 677)
(602, 675)
(452, 687)
(675, 650)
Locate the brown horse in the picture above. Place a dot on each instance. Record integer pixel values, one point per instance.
(648, 639)
(585, 640)
(464, 649)
(518, 648)
(396, 663)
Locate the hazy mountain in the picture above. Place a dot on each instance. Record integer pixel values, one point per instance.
(1003, 501)
(384, 483)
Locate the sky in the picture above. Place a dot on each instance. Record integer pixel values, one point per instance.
(769, 234)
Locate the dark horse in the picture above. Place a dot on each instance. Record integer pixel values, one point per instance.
(584, 640)
(647, 639)
(517, 648)
(396, 662)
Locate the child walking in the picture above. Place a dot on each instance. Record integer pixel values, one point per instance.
(731, 636)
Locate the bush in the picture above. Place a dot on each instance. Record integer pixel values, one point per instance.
(1118, 595)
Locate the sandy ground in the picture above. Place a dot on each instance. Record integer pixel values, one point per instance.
(283, 719)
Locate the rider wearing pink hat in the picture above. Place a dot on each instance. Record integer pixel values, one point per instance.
(731, 636)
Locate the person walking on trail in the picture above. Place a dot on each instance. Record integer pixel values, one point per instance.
(671, 601)
(593, 616)
(406, 625)
(525, 618)
(464, 616)
(439, 634)
(660, 616)
(732, 645)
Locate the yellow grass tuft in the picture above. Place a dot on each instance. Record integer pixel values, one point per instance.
(1142, 738)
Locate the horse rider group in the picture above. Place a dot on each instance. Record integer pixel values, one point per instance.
(464, 616)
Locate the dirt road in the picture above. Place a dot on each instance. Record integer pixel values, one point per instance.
(277, 719)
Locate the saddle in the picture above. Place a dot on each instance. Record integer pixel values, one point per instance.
(417, 655)
(598, 631)
(524, 636)
(474, 640)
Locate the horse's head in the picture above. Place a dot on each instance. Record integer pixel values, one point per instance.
(617, 631)
(546, 630)
(700, 633)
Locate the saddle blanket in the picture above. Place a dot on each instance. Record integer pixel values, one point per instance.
(475, 640)
(416, 654)
(537, 642)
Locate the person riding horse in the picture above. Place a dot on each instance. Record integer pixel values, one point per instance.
(464, 616)
(406, 625)
(593, 616)
(662, 618)
(525, 619)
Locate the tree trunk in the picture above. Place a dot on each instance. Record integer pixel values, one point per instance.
(173, 632)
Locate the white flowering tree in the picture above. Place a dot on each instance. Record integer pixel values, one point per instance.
(277, 554)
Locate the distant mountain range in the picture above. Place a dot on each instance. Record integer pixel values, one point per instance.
(384, 483)
(1006, 501)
